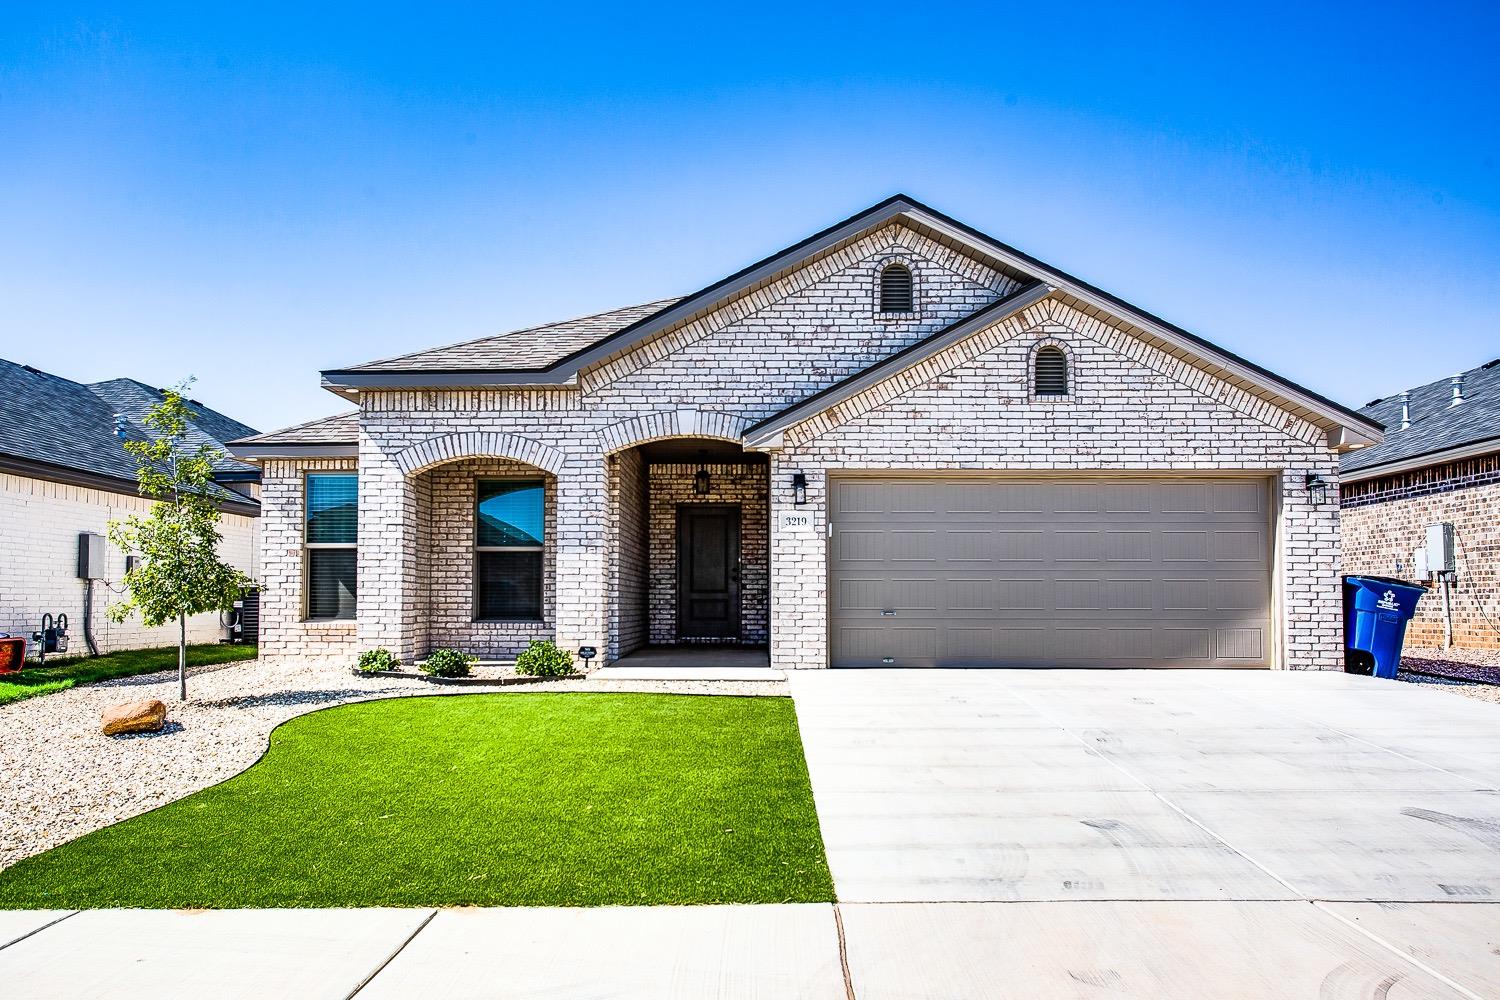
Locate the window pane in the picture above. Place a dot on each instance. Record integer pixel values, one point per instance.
(510, 585)
(330, 583)
(333, 508)
(509, 513)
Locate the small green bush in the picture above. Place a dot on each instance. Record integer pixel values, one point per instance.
(543, 659)
(372, 660)
(448, 663)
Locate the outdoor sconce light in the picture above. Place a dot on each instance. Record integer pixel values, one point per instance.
(1317, 489)
(701, 482)
(799, 489)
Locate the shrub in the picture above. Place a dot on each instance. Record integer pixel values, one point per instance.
(543, 659)
(372, 660)
(448, 663)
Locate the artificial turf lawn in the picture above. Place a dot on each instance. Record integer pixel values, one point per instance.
(61, 674)
(495, 800)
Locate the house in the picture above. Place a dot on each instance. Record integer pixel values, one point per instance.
(63, 473)
(897, 442)
(1439, 464)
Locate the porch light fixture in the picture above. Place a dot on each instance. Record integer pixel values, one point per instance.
(799, 489)
(701, 482)
(1317, 489)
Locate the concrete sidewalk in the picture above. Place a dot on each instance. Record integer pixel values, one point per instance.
(941, 951)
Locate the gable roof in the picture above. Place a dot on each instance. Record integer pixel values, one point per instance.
(1346, 427)
(57, 429)
(1439, 431)
(329, 437)
(1001, 309)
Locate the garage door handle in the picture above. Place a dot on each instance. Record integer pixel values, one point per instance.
(887, 614)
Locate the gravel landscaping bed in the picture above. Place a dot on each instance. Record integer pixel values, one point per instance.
(60, 778)
(1474, 673)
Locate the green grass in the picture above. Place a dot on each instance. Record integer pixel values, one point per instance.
(496, 800)
(62, 673)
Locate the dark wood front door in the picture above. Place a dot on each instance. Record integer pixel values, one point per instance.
(708, 571)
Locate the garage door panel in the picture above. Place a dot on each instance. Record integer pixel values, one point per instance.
(1067, 572)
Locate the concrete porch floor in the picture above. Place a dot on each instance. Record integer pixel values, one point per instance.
(697, 663)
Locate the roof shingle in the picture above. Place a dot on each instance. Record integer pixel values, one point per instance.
(1436, 425)
(521, 350)
(341, 428)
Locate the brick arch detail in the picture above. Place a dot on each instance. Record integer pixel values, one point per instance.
(445, 448)
(681, 422)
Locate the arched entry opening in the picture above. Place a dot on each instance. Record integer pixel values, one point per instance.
(689, 561)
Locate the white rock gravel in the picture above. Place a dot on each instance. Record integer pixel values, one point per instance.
(60, 778)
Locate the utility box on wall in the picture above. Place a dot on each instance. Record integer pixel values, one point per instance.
(1440, 555)
(90, 556)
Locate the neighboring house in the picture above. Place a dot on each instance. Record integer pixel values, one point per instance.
(64, 471)
(898, 442)
(1439, 463)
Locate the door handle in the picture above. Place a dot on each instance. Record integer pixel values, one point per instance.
(887, 614)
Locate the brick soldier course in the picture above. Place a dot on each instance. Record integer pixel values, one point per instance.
(792, 358)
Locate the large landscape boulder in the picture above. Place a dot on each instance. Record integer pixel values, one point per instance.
(146, 716)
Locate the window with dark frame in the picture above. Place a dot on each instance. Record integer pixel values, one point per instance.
(330, 543)
(896, 289)
(509, 536)
(1050, 372)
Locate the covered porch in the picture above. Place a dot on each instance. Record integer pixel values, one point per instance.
(689, 557)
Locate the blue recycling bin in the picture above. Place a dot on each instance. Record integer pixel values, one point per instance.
(1376, 610)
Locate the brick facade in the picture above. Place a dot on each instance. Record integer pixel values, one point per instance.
(1385, 522)
(1134, 408)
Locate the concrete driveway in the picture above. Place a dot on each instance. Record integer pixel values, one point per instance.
(1157, 832)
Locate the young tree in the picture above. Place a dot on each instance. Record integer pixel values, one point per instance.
(179, 572)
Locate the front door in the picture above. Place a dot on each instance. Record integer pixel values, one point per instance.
(708, 571)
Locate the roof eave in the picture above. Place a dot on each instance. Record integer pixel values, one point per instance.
(1457, 453)
(347, 382)
(261, 451)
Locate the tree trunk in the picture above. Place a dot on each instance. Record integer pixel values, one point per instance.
(182, 657)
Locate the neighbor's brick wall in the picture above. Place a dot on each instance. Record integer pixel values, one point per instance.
(672, 485)
(39, 526)
(1132, 408)
(720, 372)
(446, 561)
(284, 633)
(1385, 522)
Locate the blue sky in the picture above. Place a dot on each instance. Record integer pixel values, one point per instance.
(252, 196)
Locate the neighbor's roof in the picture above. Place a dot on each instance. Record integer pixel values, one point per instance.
(476, 364)
(133, 400)
(1439, 431)
(56, 428)
(338, 434)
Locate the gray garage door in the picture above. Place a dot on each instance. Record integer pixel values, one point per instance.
(1050, 572)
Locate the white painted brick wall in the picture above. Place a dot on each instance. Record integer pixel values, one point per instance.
(39, 526)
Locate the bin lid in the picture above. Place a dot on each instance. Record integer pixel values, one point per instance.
(1383, 581)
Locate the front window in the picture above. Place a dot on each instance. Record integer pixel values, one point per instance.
(508, 540)
(330, 543)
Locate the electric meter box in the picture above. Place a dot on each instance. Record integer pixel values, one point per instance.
(1440, 555)
(90, 556)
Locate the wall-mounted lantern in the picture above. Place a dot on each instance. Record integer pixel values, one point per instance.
(799, 488)
(701, 482)
(1317, 489)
